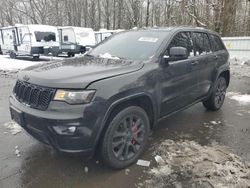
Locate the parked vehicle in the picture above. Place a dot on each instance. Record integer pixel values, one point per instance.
(75, 40)
(29, 40)
(103, 34)
(1, 42)
(112, 97)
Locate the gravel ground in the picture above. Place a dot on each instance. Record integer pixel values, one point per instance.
(194, 148)
(193, 165)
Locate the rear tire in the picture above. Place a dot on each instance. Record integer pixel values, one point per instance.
(125, 138)
(217, 97)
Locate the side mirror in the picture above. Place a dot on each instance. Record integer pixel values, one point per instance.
(178, 52)
(175, 54)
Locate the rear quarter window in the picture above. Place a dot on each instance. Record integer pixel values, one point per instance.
(216, 43)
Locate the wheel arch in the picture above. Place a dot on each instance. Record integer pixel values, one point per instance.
(142, 100)
(226, 75)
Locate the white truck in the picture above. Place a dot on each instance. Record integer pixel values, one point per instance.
(75, 40)
(29, 40)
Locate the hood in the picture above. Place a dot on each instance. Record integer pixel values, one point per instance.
(77, 72)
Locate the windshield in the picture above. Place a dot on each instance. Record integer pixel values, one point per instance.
(133, 45)
(45, 36)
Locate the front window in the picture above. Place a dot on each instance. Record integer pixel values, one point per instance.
(184, 40)
(45, 36)
(133, 45)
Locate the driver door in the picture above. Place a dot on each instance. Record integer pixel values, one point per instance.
(179, 85)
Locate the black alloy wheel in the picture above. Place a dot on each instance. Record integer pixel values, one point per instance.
(128, 136)
(217, 97)
(125, 138)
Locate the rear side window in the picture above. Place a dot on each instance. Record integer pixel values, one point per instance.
(201, 43)
(216, 43)
(182, 39)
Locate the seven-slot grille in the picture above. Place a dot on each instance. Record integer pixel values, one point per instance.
(35, 96)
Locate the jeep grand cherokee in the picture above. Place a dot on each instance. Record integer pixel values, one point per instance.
(115, 94)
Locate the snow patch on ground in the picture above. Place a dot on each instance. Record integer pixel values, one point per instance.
(215, 122)
(13, 127)
(189, 164)
(240, 67)
(8, 64)
(243, 99)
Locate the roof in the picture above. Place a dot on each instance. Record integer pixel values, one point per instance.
(178, 28)
(76, 28)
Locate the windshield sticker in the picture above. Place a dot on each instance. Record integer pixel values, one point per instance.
(148, 39)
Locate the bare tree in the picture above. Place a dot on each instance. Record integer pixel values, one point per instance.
(228, 17)
(248, 19)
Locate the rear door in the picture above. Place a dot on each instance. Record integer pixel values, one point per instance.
(179, 79)
(24, 35)
(220, 54)
(206, 61)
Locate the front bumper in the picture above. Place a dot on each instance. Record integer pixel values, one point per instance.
(44, 125)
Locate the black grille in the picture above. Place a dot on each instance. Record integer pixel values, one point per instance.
(35, 96)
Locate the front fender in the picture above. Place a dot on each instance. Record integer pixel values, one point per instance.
(123, 101)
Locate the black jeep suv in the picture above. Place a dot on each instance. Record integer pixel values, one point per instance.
(116, 93)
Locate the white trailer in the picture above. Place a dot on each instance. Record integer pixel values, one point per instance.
(29, 40)
(75, 40)
(1, 41)
(102, 34)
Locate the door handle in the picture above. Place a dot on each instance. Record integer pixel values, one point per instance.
(194, 63)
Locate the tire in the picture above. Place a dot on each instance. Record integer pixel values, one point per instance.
(125, 138)
(55, 54)
(217, 97)
(36, 57)
(71, 54)
(12, 55)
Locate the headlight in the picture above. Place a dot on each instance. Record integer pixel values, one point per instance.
(74, 97)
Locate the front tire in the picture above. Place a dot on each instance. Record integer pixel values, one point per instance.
(125, 138)
(217, 97)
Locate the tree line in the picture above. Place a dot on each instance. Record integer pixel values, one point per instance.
(227, 17)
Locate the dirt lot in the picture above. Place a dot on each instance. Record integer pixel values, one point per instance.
(196, 148)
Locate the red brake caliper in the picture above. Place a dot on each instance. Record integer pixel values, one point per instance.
(134, 132)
